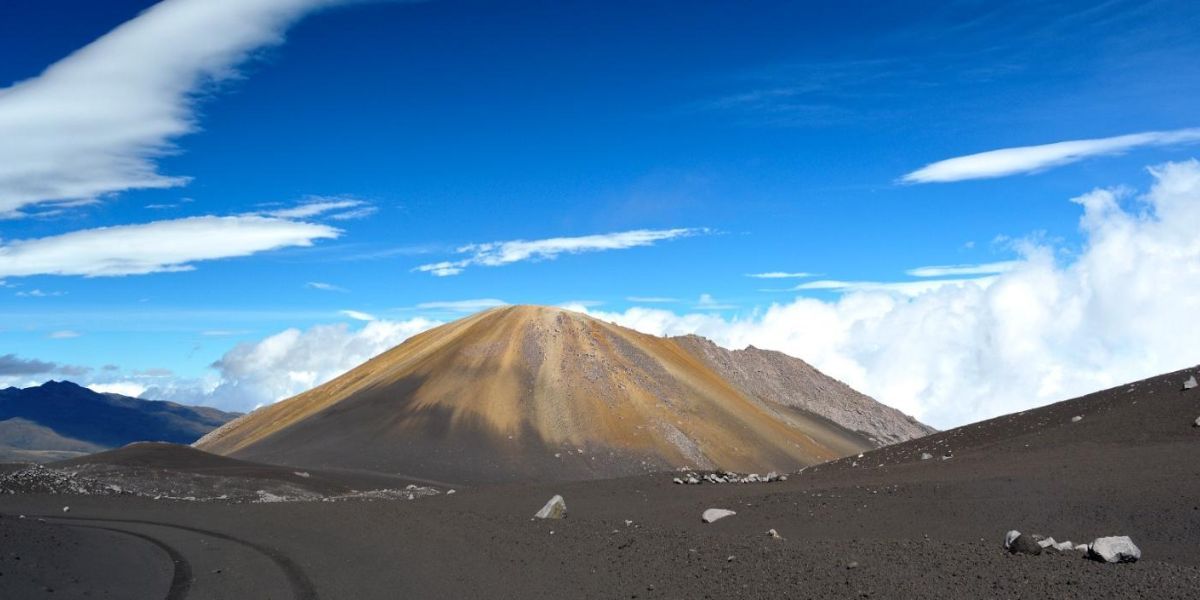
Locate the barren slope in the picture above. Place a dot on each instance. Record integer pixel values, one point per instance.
(780, 380)
(522, 393)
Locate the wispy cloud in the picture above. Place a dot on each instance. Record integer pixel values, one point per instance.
(336, 208)
(707, 302)
(223, 332)
(779, 275)
(958, 270)
(36, 293)
(652, 299)
(155, 247)
(64, 334)
(906, 288)
(325, 287)
(495, 254)
(1032, 159)
(466, 306)
(96, 121)
(357, 315)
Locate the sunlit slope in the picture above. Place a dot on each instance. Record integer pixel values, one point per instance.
(525, 392)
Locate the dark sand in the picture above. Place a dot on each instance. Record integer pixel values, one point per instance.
(911, 528)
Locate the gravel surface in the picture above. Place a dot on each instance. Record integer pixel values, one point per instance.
(910, 528)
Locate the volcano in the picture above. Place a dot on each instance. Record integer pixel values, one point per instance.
(528, 393)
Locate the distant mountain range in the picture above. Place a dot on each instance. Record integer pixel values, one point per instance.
(531, 393)
(60, 419)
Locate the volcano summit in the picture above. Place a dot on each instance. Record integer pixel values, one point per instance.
(536, 393)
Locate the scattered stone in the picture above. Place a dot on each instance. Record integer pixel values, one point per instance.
(66, 509)
(1081, 547)
(1046, 542)
(1021, 544)
(556, 508)
(852, 565)
(448, 492)
(771, 533)
(1064, 546)
(1190, 383)
(1076, 419)
(713, 515)
(1114, 549)
(926, 456)
(730, 559)
(1197, 423)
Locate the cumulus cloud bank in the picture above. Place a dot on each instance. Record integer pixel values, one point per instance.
(495, 254)
(95, 122)
(1123, 307)
(1030, 159)
(280, 366)
(158, 246)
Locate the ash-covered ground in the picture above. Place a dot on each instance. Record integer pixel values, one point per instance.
(923, 519)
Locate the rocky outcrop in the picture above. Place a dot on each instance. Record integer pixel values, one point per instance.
(556, 508)
(774, 378)
(1114, 549)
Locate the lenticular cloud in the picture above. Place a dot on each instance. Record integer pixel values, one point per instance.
(1122, 307)
(94, 122)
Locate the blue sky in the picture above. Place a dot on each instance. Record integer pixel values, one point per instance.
(768, 136)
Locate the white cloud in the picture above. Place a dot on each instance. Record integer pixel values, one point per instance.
(282, 365)
(495, 254)
(907, 288)
(956, 270)
(37, 293)
(158, 246)
(1123, 308)
(325, 287)
(779, 275)
(651, 299)
(357, 315)
(466, 306)
(95, 122)
(343, 209)
(1031, 159)
(64, 334)
(707, 302)
(132, 389)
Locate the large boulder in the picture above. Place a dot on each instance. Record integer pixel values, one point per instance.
(716, 514)
(1114, 549)
(1021, 544)
(556, 508)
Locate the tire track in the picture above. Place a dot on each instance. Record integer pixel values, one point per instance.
(181, 576)
(301, 586)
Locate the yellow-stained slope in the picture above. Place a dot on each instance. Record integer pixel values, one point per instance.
(526, 392)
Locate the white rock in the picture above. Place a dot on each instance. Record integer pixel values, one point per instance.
(1011, 537)
(713, 515)
(926, 456)
(1114, 549)
(1076, 419)
(1046, 543)
(677, 481)
(1190, 383)
(1197, 423)
(1064, 546)
(66, 509)
(448, 492)
(556, 508)
(1081, 547)
(771, 533)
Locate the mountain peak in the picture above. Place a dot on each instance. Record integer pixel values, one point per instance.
(533, 392)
